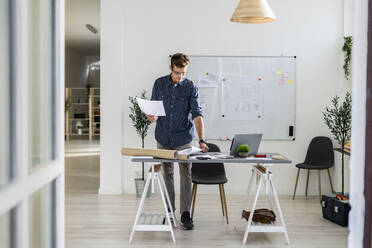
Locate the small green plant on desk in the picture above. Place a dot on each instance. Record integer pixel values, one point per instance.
(243, 150)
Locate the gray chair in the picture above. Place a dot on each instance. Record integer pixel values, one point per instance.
(210, 174)
(319, 156)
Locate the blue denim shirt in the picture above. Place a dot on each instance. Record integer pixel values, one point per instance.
(181, 104)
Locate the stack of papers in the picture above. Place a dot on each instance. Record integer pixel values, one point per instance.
(190, 151)
(224, 156)
(253, 158)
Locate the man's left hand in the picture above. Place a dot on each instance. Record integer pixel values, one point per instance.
(203, 146)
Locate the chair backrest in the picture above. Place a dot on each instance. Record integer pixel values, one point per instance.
(208, 169)
(320, 152)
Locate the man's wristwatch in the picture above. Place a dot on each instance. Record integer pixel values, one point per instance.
(202, 141)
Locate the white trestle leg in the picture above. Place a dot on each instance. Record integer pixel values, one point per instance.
(245, 201)
(263, 175)
(151, 221)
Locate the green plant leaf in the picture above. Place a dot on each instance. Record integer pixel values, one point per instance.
(338, 119)
(243, 148)
(347, 48)
(138, 118)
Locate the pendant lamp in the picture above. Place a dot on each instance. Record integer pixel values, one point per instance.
(253, 11)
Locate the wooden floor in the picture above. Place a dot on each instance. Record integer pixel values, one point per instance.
(94, 220)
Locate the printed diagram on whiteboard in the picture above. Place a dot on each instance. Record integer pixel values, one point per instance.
(241, 98)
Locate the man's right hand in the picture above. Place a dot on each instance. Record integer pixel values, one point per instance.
(152, 118)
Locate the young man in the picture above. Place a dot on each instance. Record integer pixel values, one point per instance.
(175, 130)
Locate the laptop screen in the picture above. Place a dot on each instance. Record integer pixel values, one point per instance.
(252, 140)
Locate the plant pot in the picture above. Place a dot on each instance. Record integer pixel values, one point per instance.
(80, 131)
(140, 186)
(243, 154)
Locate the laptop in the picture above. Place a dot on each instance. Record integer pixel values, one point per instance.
(252, 140)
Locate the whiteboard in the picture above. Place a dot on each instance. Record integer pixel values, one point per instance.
(246, 94)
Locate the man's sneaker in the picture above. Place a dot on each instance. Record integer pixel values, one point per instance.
(186, 221)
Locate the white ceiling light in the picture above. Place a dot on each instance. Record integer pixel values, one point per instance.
(91, 28)
(253, 11)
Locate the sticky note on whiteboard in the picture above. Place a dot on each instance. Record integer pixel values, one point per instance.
(278, 72)
(290, 81)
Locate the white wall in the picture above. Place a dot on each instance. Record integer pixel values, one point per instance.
(77, 72)
(111, 96)
(311, 30)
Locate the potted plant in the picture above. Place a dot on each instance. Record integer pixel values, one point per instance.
(338, 119)
(141, 124)
(243, 150)
(79, 126)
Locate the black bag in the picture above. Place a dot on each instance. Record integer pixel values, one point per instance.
(335, 210)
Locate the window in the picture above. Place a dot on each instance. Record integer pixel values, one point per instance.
(4, 94)
(40, 75)
(31, 124)
(42, 218)
(6, 240)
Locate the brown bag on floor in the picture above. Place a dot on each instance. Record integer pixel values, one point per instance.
(262, 215)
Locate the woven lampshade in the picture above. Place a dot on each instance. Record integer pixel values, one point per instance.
(253, 11)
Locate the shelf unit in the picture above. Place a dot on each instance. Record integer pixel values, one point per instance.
(83, 107)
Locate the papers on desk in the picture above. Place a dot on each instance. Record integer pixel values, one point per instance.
(253, 158)
(205, 157)
(224, 156)
(151, 107)
(190, 151)
(144, 157)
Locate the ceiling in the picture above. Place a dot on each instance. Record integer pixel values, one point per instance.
(78, 14)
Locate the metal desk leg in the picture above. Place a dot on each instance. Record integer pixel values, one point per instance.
(168, 200)
(139, 211)
(147, 223)
(166, 209)
(252, 211)
(267, 189)
(265, 174)
(245, 201)
(279, 209)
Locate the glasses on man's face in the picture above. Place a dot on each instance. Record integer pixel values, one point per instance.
(178, 73)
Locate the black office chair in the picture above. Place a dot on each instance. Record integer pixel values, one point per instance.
(209, 173)
(320, 156)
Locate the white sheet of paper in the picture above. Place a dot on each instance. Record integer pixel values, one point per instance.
(190, 151)
(206, 156)
(143, 157)
(151, 107)
(258, 158)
